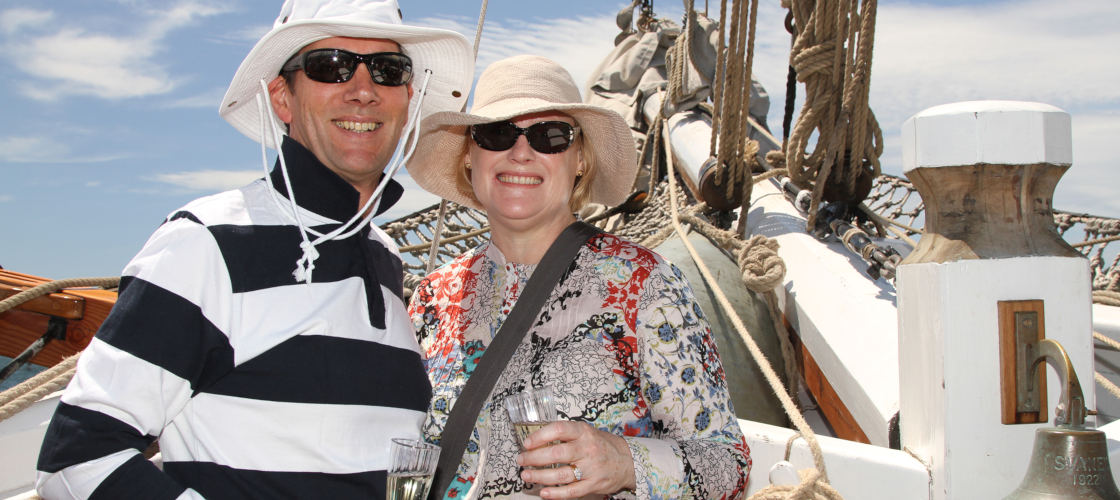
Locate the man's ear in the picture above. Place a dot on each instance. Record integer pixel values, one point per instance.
(281, 96)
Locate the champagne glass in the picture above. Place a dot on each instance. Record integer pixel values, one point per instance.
(529, 411)
(411, 469)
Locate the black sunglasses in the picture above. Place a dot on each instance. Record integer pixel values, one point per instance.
(546, 137)
(391, 69)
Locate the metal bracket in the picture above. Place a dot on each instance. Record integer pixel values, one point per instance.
(1026, 350)
(1022, 326)
(56, 330)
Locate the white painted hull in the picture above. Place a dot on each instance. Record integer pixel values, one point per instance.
(20, 438)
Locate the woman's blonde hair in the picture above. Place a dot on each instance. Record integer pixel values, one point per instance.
(581, 192)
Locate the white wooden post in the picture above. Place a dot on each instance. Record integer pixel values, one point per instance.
(986, 171)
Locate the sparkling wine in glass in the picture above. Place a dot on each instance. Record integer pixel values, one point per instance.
(411, 469)
(531, 410)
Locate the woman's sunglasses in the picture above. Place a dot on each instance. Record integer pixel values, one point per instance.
(545, 137)
(391, 69)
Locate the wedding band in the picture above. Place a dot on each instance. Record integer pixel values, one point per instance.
(576, 472)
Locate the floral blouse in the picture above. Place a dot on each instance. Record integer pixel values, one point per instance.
(625, 347)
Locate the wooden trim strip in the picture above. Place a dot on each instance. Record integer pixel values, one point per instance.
(835, 412)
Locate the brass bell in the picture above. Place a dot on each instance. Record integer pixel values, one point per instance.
(1069, 460)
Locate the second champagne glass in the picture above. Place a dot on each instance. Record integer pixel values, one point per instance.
(531, 410)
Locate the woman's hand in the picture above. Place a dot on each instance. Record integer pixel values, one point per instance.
(602, 460)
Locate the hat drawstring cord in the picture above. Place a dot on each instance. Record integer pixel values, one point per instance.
(306, 263)
(403, 152)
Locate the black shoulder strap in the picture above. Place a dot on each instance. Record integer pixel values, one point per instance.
(464, 413)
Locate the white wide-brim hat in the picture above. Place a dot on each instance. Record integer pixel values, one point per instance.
(513, 87)
(445, 53)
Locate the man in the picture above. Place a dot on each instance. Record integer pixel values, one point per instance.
(260, 333)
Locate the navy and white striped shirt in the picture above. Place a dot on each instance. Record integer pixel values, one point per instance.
(256, 385)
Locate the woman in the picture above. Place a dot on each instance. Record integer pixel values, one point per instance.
(643, 403)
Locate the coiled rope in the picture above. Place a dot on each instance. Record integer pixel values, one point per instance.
(832, 56)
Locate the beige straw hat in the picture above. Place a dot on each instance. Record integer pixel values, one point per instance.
(445, 53)
(513, 87)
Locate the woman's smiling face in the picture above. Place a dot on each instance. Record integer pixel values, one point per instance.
(521, 187)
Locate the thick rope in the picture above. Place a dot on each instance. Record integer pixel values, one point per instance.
(437, 237)
(478, 29)
(18, 398)
(891, 226)
(678, 57)
(1107, 384)
(1107, 298)
(1106, 340)
(749, 148)
(814, 485)
(769, 174)
(735, 153)
(717, 95)
(54, 286)
(1096, 241)
(832, 55)
(1104, 382)
(453, 239)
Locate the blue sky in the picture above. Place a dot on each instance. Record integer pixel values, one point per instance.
(110, 107)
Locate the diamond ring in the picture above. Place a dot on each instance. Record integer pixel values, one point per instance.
(576, 472)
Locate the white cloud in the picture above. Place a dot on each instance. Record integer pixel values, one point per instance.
(6, 198)
(72, 60)
(578, 43)
(927, 55)
(210, 180)
(250, 34)
(166, 20)
(14, 20)
(27, 149)
(78, 63)
(1090, 184)
(209, 99)
(32, 149)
